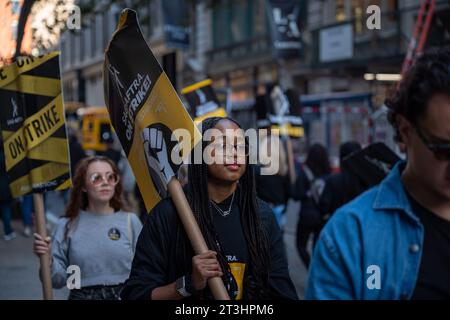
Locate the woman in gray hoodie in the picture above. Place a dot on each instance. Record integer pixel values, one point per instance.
(95, 236)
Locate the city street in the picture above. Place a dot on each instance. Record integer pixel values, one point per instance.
(338, 108)
(19, 270)
(19, 267)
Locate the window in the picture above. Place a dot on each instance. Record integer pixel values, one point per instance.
(76, 50)
(146, 20)
(106, 32)
(392, 6)
(81, 38)
(232, 22)
(259, 26)
(99, 34)
(116, 18)
(438, 34)
(221, 33)
(66, 49)
(86, 35)
(15, 7)
(73, 44)
(68, 90)
(14, 26)
(340, 10)
(93, 32)
(241, 18)
(63, 50)
(358, 15)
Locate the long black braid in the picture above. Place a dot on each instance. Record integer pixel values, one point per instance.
(257, 273)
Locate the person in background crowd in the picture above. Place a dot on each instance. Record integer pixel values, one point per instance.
(76, 153)
(95, 234)
(113, 151)
(128, 181)
(141, 205)
(274, 189)
(340, 188)
(5, 198)
(393, 241)
(27, 215)
(245, 241)
(308, 188)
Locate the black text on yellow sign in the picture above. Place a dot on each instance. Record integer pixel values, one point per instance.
(33, 126)
(141, 101)
(35, 130)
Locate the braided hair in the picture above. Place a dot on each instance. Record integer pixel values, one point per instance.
(257, 270)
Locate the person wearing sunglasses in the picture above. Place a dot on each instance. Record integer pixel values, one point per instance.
(245, 241)
(95, 234)
(393, 241)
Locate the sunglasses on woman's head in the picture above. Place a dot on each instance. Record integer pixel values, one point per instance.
(110, 178)
(441, 151)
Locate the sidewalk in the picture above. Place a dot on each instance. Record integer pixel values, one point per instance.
(19, 270)
(19, 267)
(297, 269)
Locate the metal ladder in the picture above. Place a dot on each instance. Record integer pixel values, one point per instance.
(420, 34)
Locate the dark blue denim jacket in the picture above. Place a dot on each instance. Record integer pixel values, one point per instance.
(371, 248)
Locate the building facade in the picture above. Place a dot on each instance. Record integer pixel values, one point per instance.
(337, 73)
(9, 21)
(230, 43)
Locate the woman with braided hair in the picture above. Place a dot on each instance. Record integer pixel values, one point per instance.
(245, 242)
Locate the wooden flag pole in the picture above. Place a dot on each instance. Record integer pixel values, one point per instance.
(194, 234)
(38, 200)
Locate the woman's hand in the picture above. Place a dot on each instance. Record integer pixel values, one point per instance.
(205, 266)
(42, 246)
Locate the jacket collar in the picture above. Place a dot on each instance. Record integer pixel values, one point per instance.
(392, 195)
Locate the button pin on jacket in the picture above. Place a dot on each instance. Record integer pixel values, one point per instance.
(414, 248)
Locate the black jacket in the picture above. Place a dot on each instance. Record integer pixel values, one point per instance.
(340, 189)
(273, 189)
(76, 153)
(155, 262)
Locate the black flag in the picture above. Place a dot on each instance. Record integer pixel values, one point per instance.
(372, 163)
(145, 110)
(203, 101)
(284, 18)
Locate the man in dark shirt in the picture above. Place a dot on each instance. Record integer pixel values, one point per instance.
(433, 281)
(393, 241)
